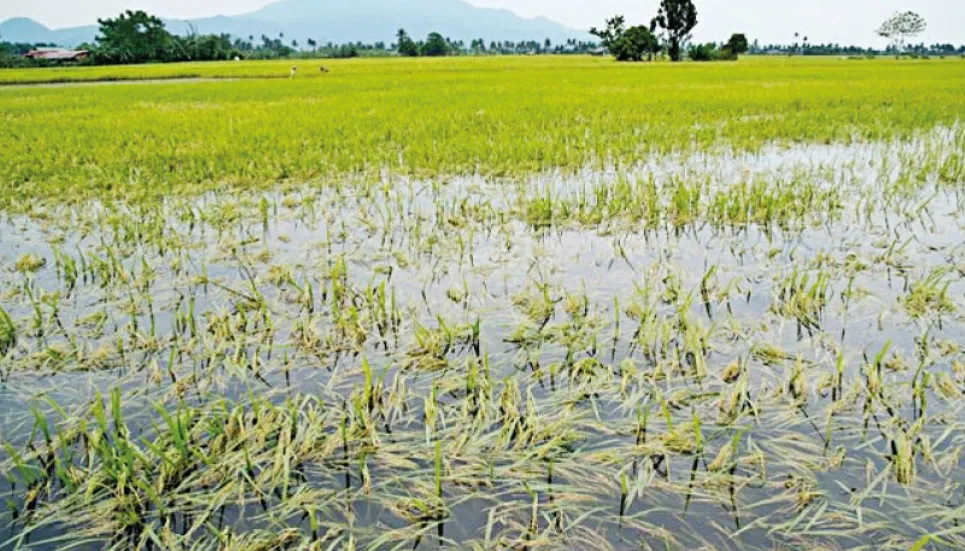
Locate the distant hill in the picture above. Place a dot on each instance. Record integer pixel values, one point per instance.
(336, 21)
(22, 29)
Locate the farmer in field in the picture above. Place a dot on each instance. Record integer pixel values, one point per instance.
(294, 71)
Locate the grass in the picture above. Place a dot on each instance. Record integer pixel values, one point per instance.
(545, 303)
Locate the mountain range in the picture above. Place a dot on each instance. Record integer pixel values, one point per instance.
(334, 21)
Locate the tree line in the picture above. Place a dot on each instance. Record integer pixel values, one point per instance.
(11, 53)
(138, 37)
(435, 45)
(669, 33)
(807, 49)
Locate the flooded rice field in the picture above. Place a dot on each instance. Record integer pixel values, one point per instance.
(719, 351)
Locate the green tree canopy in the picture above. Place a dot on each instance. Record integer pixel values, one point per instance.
(636, 43)
(678, 19)
(405, 45)
(133, 37)
(737, 44)
(435, 46)
(627, 44)
(611, 33)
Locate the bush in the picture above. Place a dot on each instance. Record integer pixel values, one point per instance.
(345, 52)
(435, 46)
(728, 51)
(703, 52)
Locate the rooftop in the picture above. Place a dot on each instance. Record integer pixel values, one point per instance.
(57, 54)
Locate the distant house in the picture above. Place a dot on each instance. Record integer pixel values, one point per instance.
(602, 50)
(57, 54)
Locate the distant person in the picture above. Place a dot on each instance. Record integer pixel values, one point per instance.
(294, 71)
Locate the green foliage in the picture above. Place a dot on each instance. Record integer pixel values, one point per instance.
(631, 44)
(133, 37)
(704, 52)
(137, 37)
(405, 45)
(636, 43)
(729, 51)
(615, 27)
(202, 48)
(345, 51)
(435, 46)
(11, 54)
(678, 19)
(8, 333)
(737, 44)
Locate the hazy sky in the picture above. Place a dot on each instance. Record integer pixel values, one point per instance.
(845, 21)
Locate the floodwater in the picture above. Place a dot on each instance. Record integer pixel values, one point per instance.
(739, 364)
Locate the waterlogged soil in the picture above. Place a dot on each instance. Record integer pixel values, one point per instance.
(720, 352)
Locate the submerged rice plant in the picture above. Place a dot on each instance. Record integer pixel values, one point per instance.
(577, 317)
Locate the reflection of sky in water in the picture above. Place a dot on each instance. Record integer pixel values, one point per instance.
(377, 236)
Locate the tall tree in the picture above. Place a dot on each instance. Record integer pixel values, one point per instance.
(901, 26)
(405, 45)
(611, 33)
(133, 37)
(678, 19)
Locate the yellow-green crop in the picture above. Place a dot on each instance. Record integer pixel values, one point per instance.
(494, 116)
(619, 306)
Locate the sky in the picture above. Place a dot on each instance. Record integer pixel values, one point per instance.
(770, 21)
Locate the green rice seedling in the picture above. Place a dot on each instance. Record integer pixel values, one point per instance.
(8, 333)
(438, 469)
(801, 299)
(698, 433)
